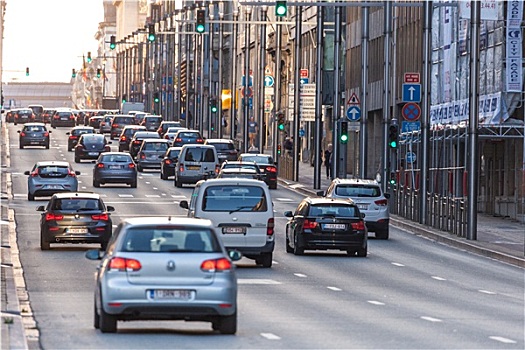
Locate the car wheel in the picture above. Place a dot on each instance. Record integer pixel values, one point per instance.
(104, 245)
(96, 317)
(178, 183)
(382, 233)
(297, 250)
(107, 322)
(162, 176)
(44, 245)
(133, 184)
(30, 197)
(47, 145)
(265, 260)
(139, 169)
(362, 252)
(69, 149)
(288, 248)
(273, 186)
(21, 146)
(77, 159)
(228, 324)
(96, 183)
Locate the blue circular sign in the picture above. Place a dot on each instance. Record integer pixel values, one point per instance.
(353, 113)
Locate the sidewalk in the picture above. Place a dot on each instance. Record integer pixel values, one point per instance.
(498, 238)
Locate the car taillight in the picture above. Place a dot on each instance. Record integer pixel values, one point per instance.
(136, 142)
(46, 134)
(123, 138)
(271, 169)
(71, 116)
(73, 137)
(269, 227)
(102, 123)
(178, 139)
(381, 202)
(55, 217)
(22, 134)
(71, 173)
(56, 117)
(181, 167)
(168, 161)
(358, 226)
(114, 126)
(123, 264)
(200, 141)
(131, 165)
(142, 156)
(309, 225)
(34, 173)
(216, 265)
(100, 165)
(103, 217)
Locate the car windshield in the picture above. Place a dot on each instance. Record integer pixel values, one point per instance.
(358, 191)
(321, 210)
(199, 155)
(76, 204)
(232, 198)
(170, 239)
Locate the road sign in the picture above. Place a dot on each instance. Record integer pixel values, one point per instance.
(303, 73)
(410, 126)
(304, 81)
(411, 78)
(353, 113)
(243, 81)
(268, 70)
(301, 132)
(248, 94)
(269, 81)
(410, 157)
(268, 105)
(411, 92)
(353, 100)
(411, 111)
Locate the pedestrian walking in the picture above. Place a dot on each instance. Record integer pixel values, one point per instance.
(253, 128)
(328, 160)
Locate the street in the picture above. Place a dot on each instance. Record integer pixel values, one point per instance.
(409, 292)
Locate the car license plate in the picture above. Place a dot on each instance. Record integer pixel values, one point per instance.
(35, 142)
(363, 206)
(334, 226)
(172, 294)
(77, 230)
(114, 166)
(93, 153)
(238, 229)
(193, 167)
(53, 187)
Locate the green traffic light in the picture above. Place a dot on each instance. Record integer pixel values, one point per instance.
(280, 8)
(281, 127)
(393, 144)
(344, 138)
(214, 109)
(200, 28)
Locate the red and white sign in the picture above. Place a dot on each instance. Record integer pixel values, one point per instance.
(411, 78)
(303, 73)
(353, 100)
(249, 94)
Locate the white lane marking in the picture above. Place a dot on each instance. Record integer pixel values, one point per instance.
(299, 275)
(486, 291)
(502, 339)
(256, 281)
(284, 199)
(397, 264)
(163, 194)
(270, 336)
(83, 187)
(439, 278)
(335, 289)
(178, 196)
(153, 196)
(296, 186)
(125, 195)
(155, 188)
(150, 175)
(431, 319)
(147, 182)
(375, 302)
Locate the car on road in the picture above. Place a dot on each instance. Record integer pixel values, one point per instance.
(115, 167)
(165, 125)
(325, 224)
(79, 217)
(47, 115)
(95, 121)
(239, 172)
(38, 110)
(184, 137)
(171, 132)
(127, 134)
(75, 133)
(105, 124)
(10, 115)
(369, 197)
(168, 162)
(90, 146)
(118, 123)
(225, 149)
(196, 162)
(138, 137)
(159, 268)
(227, 165)
(49, 177)
(266, 164)
(151, 153)
(23, 115)
(151, 122)
(241, 211)
(63, 117)
(33, 134)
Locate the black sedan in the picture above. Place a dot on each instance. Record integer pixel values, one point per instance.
(266, 164)
(75, 133)
(184, 137)
(34, 134)
(90, 146)
(115, 167)
(77, 217)
(167, 165)
(322, 224)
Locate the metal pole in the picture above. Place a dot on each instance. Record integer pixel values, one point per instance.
(246, 99)
(179, 74)
(188, 72)
(425, 115)
(297, 92)
(318, 131)
(211, 87)
(363, 132)
(339, 166)
(220, 131)
(202, 105)
(277, 96)
(472, 162)
(233, 108)
(262, 65)
(385, 159)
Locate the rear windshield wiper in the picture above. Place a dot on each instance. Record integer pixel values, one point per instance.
(241, 208)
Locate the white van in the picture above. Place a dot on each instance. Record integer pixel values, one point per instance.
(196, 162)
(241, 211)
(131, 106)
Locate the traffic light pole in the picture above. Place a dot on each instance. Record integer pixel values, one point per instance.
(297, 92)
(318, 127)
(338, 168)
(277, 96)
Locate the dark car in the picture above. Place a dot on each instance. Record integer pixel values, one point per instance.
(151, 153)
(23, 115)
(151, 122)
(225, 149)
(10, 116)
(38, 111)
(105, 124)
(76, 217)
(95, 121)
(165, 125)
(242, 165)
(118, 123)
(267, 165)
(63, 117)
(138, 137)
(185, 137)
(48, 115)
(80, 117)
(34, 134)
(115, 167)
(126, 136)
(75, 133)
(243, 173)
(90, 146)
(322, 224)
(167, 165)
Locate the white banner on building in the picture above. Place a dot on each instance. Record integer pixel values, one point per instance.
(514, 52)
(489, 9)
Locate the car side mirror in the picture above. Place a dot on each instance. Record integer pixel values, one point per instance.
(77, 172)
(363, 215)
(320, 193)
(288, 214)
(27, 172)
(68, 133)
(110, 208)
(234, 255)
(387, 195)
(18, 131)
(94, 254)
(40, 208)
(184, 204)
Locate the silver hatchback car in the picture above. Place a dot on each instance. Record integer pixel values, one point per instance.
(50, 177)
(159, 268)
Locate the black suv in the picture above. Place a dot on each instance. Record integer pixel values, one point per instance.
(90, 146)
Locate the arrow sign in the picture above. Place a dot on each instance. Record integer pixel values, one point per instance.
(411, 92)
(268, 81)
(353, 113)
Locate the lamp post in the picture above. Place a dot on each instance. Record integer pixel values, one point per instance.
(233, 109)
(246, 116)
(262, 66)
(219, 79)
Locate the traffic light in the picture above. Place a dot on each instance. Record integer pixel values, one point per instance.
(73, 73)
(343, 136)
(280, 121)
(393, 136)
(99, 72)
(213, 105)
(279, 150)
(151, 32)
(280, 8)
(156, 97)
(112, 42)
(124, 98)
(393, 178)
(27, 71)
(89, 59)
(201, 21)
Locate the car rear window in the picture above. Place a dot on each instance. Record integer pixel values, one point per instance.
(199, 155)
(174, 153)
(24, 112)
(77, 204)
(82, 131)
(234, 198)
(116, 158)
(358, 191)
(170, 239)
(52, 171)
(93, 139)
(124, 120)
(153, 119)
(188, 134)
(34, 128)
(333, 210)
(258, 159)
(223, 146)
(156, 146)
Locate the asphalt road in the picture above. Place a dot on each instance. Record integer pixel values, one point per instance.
(409, 292)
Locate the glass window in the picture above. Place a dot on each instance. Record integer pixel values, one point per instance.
(77, 204)
(234, 198)
(358, 191)
(333, 210)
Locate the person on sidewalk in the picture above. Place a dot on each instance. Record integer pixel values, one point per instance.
(253, 128)
(328, 160)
